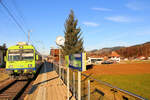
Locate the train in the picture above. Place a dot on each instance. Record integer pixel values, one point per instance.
(22, 59)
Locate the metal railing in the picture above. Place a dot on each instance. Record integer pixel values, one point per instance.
(93, 89)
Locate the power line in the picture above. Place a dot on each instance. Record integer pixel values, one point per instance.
(11, 15)
(15, 20)
(20, 14)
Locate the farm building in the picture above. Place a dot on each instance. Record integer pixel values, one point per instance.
(50, 58)
(54, 53)
(2, 54)
(115, 56)
(141, 57)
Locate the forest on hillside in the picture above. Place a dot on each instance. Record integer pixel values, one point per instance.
(135, 51)
(126, 52)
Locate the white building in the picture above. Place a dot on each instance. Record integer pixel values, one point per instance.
(92, 60)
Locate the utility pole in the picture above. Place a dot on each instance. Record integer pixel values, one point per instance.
(29, 35)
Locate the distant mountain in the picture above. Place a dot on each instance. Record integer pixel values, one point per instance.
(104, 51)
(94, 50)
(111, 48)
(132, 51)
(135, 51)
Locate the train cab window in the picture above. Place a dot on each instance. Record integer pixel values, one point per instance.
(14, 55)
(27, 54)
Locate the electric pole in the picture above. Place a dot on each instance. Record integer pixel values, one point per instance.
(29, 35)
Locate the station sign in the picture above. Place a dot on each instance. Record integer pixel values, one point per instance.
(76, 61)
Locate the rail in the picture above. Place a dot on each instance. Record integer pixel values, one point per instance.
(14, 89)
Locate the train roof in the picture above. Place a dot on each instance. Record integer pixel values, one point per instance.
(22, 47)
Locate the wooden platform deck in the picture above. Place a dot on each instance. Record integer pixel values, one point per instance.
(48, 86)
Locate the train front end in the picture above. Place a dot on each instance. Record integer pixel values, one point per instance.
(20, 60)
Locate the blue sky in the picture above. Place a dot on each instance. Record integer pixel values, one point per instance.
(104, 23)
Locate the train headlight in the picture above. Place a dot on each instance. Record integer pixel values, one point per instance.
(29, 65)
(10, 66)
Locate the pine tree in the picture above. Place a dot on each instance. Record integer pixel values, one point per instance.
(4, 46)
(73, 41)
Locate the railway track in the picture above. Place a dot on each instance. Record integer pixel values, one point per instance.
(14, 90)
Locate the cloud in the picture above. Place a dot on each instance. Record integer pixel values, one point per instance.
(93, 24)
(137, 5)
(118, 19)
(133, 6)
(102, 9)
(145, 32)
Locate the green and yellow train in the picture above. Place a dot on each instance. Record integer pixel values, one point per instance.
(22, 60)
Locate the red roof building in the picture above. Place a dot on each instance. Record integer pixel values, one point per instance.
(114, 54)
(55, 54)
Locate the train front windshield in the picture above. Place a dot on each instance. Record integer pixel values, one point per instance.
(27, 54)
(14, 55)
(20, 55)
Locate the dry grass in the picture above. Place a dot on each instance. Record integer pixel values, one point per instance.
(120, 69)
(3, 75)
(133, 77)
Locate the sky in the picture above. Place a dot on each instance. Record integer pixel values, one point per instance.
(103, 23)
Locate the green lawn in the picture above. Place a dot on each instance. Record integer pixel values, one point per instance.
(137, 84)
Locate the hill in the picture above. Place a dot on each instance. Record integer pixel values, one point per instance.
(132, 51)
(135, 51)
(103, 51)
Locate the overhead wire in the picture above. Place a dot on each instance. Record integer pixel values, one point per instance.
(19, 13)
(14, 19)
(24, 21)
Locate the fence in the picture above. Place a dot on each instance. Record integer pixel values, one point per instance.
(93, 89)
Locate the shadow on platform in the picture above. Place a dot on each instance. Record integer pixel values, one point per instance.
(48, 68)
(34, 87)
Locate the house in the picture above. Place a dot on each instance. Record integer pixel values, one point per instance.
(2, 54)
(50, 58)
(141, 58)
(54, 53)
(126, 59)
(114, 56)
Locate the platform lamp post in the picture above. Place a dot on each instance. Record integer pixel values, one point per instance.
(60, 42)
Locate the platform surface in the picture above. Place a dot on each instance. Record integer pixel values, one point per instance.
(48, 86)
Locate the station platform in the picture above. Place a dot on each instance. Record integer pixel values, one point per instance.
(48, 86)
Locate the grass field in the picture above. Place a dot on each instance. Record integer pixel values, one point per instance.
(135, 61)
(138, 84)
(133, 77)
